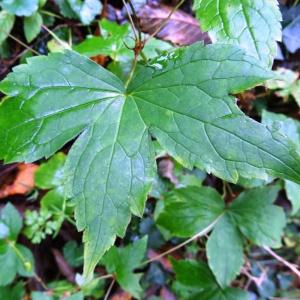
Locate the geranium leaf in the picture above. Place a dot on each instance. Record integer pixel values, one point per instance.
(252, 24)
(181, 98)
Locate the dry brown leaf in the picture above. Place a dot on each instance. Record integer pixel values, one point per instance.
(181, 29)
(23, 182)
(121, 295)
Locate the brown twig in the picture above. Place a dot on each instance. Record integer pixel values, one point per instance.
(292, 267)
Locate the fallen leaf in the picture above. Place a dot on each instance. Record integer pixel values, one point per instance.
(181, 29)
(23, 182)
(121, 295)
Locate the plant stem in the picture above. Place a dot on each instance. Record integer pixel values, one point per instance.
(109, 289)
(131, 21)
(23, 44)
(134, 64)
(197, 235)
(292, 267)
(163, 23)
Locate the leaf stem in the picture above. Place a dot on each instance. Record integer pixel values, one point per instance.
(131, 21)
(109, 289)
(194, 237)
(134, 64)
(23, 44)
(292, 267)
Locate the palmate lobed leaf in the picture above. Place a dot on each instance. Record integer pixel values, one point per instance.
(252, 24)
(182, 99)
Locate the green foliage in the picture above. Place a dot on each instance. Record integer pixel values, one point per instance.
(39, 224)
(49, 219)
(122, 261)
(290, 128)
(84, 10)
(14, 258)
(195, 281)
(12, 292)
(73, 254)
(20, 7)
(115, 123)
(252, 24)
(32, 26)
(195, 210)
(6, 24)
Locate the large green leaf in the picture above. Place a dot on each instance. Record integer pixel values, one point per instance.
(6, 24)
(197, 281)
(252, 24)
(210, 131)
(122, 262)
(20, 7)
(181, 98)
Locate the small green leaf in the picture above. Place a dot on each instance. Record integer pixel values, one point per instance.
(199, 282)
(14, 259)
(20, 7)
(251, 24)
(6, 24)
(225, 251)
(14, 292)
(32, 26)
(12, 219)
(86, 10)
(293, 193)
(122, 262)
(50, 174)
(257, 218)
(73, 254)
(190, 210)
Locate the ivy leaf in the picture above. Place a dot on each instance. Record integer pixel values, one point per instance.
(225, 251)
(257, 218)
(188, 211)
(196, 278)
(182, 98)
(252, 24)
(20, 7)
(6, 24)
(32, 26)
(122, 262)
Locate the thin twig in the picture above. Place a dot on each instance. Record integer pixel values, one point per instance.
(61, 42)
(131, 21)
(23, 44)
(292, 267)
(109, 289)
(199, 234)
(164, 22)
